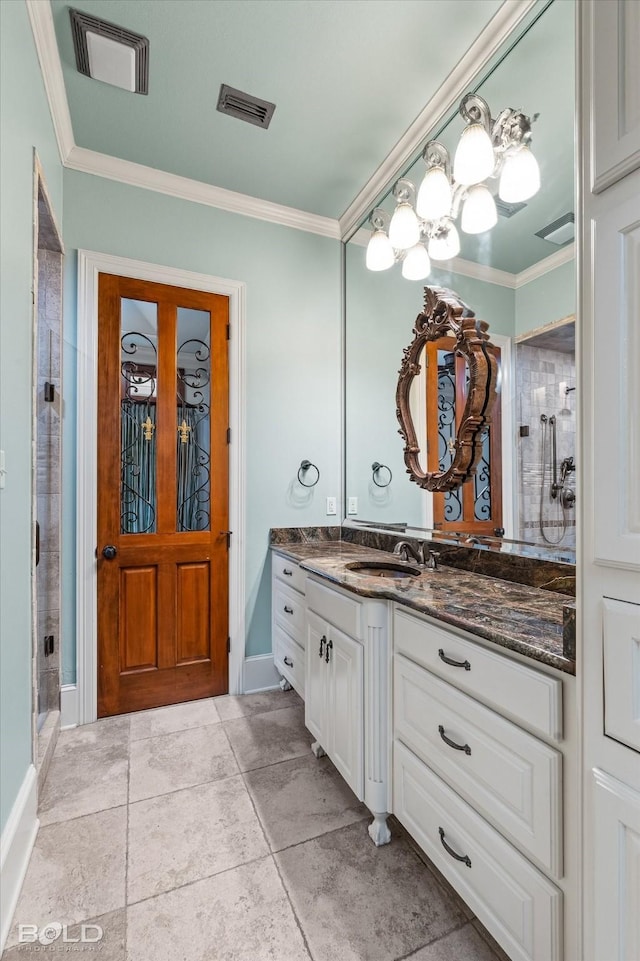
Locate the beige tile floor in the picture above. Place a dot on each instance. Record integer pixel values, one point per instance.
(209, 832)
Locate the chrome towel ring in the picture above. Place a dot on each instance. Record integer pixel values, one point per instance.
(304, 467)
(376, 467)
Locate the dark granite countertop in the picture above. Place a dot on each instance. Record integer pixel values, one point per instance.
(514, 616)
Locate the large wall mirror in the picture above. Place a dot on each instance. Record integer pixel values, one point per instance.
(519, 277)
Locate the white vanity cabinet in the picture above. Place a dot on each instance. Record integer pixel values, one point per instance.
(346, 696)
(474, 782)
(288, 608)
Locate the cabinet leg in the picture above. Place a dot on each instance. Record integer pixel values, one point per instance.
(378, 829)
(284, 684)
(317, 749)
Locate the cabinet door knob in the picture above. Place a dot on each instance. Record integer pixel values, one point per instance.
(328, 650)
(288, 662)
(109, 552)
(459, 857)
(456, 747)
(323, 641)
(452, 663)
(288, 610)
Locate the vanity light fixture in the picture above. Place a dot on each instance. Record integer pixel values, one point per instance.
(423, 229)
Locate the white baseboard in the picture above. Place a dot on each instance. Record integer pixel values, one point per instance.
(68, 706)
(260, 674)
(16, 844)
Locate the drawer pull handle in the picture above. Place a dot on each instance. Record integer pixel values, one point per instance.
(323, 641)
(459, 857)
(288, 610)
(456, 747)
(328, 650)
(287, 572)
(451, 662)
(288, 662)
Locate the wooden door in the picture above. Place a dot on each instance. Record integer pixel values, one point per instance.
(163, 492)
(476, 507)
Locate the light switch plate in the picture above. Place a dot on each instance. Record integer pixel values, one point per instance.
(332, 507)
(352, 506)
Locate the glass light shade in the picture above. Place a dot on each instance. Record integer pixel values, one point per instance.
(520, 177)
(446, 246)
(434, 196)
(380, 255)
(404, 229)
(479, 212)
(416, 264)
(474, 160)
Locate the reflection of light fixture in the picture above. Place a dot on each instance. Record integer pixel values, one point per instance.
(487, 148)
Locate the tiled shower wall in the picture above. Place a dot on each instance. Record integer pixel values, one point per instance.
(541, 378)
(48, 470)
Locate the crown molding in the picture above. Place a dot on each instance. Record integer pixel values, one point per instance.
(556, 259)
(173, 185)
(44, 35)
(468, 67)
(490, 275)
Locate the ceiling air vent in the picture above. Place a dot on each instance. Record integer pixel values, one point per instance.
(562, 231)
(245, 107)
(110, 53)
(508, 210)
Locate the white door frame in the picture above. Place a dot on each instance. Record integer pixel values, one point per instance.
(90, 264)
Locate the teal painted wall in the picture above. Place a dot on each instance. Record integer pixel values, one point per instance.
(26, 124)
(381, 310)
(547, 299)
(292, 356)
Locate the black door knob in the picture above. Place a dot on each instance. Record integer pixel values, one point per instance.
(109, 552)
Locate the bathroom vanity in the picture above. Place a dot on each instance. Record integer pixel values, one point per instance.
(440, 699)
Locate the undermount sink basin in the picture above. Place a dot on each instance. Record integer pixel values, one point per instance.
(389, 569)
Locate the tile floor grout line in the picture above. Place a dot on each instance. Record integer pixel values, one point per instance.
(78, 817)
(181, 730)
(187, 787)
(293, 910)
(205, 877)
(428, 944)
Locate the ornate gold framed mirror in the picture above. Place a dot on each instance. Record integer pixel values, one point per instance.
(444, 313)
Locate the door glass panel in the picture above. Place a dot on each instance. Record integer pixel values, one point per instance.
(447, 428)
(193, 421)
(482, 481)
(138, 394)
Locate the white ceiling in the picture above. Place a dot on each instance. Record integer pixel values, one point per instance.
(348, 78)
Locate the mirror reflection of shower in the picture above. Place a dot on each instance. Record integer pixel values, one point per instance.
(545, 391)
(554, 485)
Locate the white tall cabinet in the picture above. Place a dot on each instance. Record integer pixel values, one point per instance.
(609, 362)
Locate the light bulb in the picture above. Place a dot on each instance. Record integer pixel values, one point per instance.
(404, 229)
(380, 255)
(520, 178)
(479, 212)
(474, 160)
(445, 245)
(416, 264)
(434, 196)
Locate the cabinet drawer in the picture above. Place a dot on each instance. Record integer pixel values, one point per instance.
(288, 610)
(342, 611)
(527, 696)
(519, 906)
(289, 659)
(289, 572)
(509, 776)
(622, 671)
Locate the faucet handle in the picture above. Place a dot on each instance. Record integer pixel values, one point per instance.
(432, 562)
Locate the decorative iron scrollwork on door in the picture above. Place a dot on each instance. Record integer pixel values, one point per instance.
(193, 430)
(137, 427)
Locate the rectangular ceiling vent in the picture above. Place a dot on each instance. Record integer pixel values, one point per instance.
(562, 231)
(508, 210)
(110, 53)
(245, 107)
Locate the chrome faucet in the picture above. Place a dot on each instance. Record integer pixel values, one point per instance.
(407, 550)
